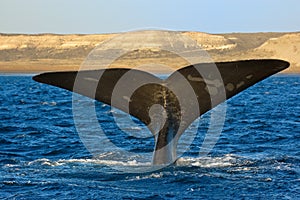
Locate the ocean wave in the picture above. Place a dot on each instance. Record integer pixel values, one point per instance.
(230, 161)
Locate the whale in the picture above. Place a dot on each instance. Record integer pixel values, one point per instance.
(166, 106)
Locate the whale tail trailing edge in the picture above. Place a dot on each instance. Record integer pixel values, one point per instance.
(177, 101)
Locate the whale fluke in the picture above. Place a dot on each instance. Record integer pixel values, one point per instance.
(167, 106)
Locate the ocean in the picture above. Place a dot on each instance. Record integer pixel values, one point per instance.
(42, 156)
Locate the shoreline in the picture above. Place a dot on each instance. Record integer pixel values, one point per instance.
(36, 68)
(157, 72)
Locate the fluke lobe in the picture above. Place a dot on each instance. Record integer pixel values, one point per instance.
(167, 106)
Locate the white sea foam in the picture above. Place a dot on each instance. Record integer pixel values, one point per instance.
(105, 162)
(46, 162)
(153, 175)
(208, 162)
(204, 162)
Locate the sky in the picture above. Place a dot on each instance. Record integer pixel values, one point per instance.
(110, 16)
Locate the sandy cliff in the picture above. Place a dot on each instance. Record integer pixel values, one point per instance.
(50, 52)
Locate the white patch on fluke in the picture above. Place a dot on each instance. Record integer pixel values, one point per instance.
(127, 98)
(240, 84)
(230, 87)
(198, 79)
(91, 79)
(214, 82)
(249, 76)
(213, 91)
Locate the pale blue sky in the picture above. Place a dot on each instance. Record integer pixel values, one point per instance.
(99, 16)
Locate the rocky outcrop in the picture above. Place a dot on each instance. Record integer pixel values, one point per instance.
(212, 42)
(47, 46)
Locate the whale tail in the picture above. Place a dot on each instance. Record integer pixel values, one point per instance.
(167, 106)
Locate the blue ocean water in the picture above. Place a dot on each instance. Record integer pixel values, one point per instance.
(42, 156)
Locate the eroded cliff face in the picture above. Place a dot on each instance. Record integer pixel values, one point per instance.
(47, 46)
(50, 52)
